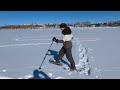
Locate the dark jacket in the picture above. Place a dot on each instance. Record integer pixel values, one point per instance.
(66, 44)
(66, 31)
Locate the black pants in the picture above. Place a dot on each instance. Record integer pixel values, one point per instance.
(68, 53)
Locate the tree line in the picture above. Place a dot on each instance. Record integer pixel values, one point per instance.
(76, 24)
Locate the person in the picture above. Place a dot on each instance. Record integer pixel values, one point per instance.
(67, 46)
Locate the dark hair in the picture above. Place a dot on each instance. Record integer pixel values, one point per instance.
(63, 25)
(66, 31)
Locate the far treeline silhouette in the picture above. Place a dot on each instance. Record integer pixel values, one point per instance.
(77, 24)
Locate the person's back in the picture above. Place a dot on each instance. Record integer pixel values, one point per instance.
(67, 37)
(66, 31)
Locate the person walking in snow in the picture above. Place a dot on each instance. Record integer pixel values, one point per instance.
(67, 46)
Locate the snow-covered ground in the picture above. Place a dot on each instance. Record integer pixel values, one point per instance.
(95, 49)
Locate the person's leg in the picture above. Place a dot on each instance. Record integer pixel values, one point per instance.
(70, 58)
(61, 54)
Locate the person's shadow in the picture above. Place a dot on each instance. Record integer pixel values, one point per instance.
(55, 55)
(39, 75)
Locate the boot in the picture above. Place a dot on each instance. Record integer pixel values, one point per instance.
(72, 68)
(55, 62)
(58, 63)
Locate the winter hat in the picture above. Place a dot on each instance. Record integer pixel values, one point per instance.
(63, 25)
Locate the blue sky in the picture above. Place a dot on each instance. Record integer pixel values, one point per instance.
(28, 17)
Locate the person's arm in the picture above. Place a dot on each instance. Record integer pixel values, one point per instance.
(60, 41)
(66, 38)
(57, 41)
(63, 39)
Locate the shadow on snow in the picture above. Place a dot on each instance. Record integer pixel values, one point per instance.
(39, 75)
(55, 55)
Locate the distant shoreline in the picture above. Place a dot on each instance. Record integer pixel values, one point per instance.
(56, 28)
(75, 25)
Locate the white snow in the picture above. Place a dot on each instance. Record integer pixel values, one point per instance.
(59, 78)
(4, 70)
(95, 49)
(97, 77)
(27, 76)
(50, 74)
(2, 77)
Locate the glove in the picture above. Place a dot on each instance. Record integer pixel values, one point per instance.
(55, 40)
